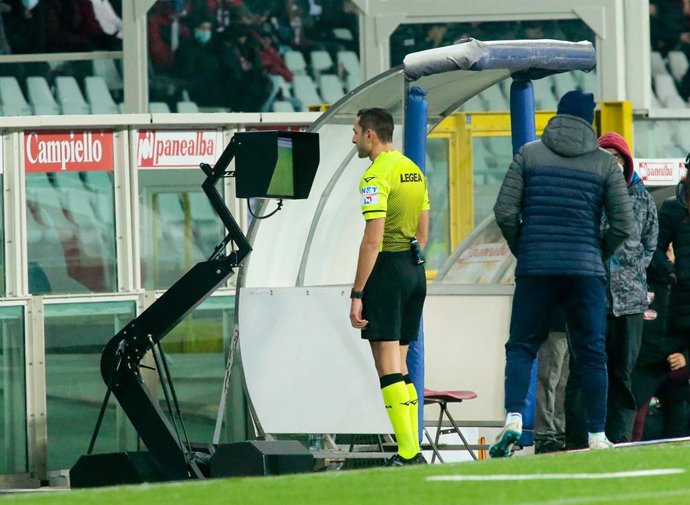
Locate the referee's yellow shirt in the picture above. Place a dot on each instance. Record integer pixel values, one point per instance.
(394, 188)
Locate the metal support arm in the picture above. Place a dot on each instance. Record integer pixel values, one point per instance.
(139, 336)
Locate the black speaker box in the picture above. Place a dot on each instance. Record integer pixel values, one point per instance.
(261, 457)
(96, 470)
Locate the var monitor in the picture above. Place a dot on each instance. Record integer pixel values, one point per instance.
(275, 164)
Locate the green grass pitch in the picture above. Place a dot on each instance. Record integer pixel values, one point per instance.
(411, 485)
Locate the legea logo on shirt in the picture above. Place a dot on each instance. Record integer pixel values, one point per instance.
(370, 195)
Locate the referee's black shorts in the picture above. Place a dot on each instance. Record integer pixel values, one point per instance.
(394, 298)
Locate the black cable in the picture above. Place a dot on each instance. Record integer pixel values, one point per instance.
(280, 206)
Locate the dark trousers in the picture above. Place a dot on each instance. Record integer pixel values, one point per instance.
(671, 387)
(583, 301)
(623, 340)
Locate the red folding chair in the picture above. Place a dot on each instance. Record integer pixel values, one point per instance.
(442, 399)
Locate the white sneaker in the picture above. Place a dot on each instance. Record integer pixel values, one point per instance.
(597, 443)
(503, 446)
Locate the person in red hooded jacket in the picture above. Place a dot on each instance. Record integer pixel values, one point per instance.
(627, 293)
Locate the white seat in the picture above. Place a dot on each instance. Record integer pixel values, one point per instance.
(657, 64)
(12, 98)
(159, 108)
(304, 90)
(331, 88)
(350, 62)
(544, 99)
(494, 99)
(678, 64)
(342, 34)
(282, 85)
(282, 106)
(589, 82)
(188, 107)
(40, 97)
(564, 82)
(99, 97)
(295, 62)
(69, 96)
(108, 71)
(665, 88)
(320, 62)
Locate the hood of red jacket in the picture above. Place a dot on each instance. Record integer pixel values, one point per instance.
(613, 140)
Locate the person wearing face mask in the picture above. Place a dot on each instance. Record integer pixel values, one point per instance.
(197, 63)
(627, 293)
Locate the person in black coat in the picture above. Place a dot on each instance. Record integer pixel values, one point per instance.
(661, 367)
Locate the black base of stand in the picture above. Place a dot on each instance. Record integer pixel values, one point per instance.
(112, 469)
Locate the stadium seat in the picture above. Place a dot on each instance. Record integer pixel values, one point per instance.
(108, 71)
(99, 97)
(494, 99)
(331, 88)
(665, 89)
(657, 64)
(69, 96)
(12, 98)
(678, 64)
(295, 62)
(564, 82)
(282, 85)
(350, 63)
(321, 61)
(589, 82)
(159, 108)
(544, 99)
(304, 90)
(283, 106)
(40, 97)
(442, 399)
(187, 107)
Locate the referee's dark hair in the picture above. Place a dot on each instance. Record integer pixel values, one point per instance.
(377, 119)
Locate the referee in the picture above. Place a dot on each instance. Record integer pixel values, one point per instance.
(390, 284)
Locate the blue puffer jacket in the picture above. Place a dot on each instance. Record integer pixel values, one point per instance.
(552, 199)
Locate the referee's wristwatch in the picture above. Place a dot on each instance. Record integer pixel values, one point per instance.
(356, 294)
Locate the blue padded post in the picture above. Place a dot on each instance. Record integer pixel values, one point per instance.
(415, 149)
(524, 130)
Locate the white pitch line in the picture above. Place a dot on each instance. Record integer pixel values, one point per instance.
(559, 476)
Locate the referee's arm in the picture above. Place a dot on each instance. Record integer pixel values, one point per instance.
(368, 252)
(422, 232)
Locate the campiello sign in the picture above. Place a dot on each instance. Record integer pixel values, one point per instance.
(68, 151)
(177, 149)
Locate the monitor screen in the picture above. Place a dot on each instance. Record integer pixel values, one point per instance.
(282, 182)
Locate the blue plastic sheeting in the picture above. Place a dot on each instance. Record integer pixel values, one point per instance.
(415, 149)
(546, 56)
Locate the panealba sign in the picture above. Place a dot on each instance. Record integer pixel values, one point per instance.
(178, 148)
(68, 151)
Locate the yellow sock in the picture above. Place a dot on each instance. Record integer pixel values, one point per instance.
(397, 401)
(414, 410)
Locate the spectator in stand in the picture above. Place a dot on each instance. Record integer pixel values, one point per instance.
(435, 37)
(107, 18)
(242, 71)
(71, 25)
(271, 59)
(664, 27)
(196, 62)
(24, 26)
(163, 30)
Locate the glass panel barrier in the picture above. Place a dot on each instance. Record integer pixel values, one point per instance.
(195, 351)
(661, 138)
(437, 171)
(491, 157)
(75, 334)
(70, 212)
(179, 228)
(13, 456)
